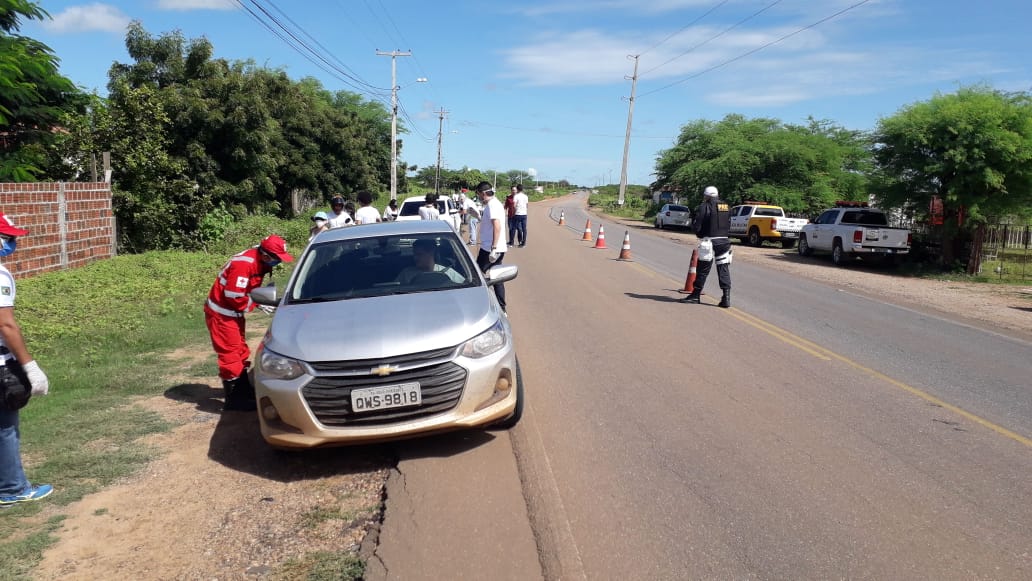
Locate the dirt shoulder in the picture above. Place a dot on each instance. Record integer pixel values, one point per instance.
(219, 503)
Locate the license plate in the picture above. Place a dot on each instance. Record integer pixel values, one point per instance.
(386, 397)
(789, 235)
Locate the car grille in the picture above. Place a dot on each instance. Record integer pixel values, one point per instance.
(329, 398)
(362, 366)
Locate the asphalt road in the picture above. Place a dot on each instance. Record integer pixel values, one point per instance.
(805, 433)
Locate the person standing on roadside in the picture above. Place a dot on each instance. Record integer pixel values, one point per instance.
(428, 211)
(366, 213)
(711, 223)
(510, 215)
(492, 235)
(520, 202)
(20, 379)
(339, 217)
(390, 213)
(228, 301)
(472, 212)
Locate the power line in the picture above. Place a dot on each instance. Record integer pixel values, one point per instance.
(469, 123)
(757, 49)
(716, 36)
(683, 28)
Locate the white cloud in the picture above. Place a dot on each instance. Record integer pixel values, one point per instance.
(97, 16)
(184, 5)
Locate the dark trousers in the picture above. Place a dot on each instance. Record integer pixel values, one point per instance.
(519, 224)
(720, 247)
(484, 262)
(511, 230)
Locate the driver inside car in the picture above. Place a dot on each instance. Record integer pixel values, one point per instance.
(423, 250)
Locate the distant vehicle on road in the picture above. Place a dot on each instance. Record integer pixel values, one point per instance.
(756, 223)
(851, 230)
(362, 349)
(673, 215)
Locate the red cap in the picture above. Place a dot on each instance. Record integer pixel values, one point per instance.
(7, 227)
(276, 246)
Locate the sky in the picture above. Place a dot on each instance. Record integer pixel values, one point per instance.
(543, 86)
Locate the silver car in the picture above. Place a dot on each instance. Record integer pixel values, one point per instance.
(385, 331)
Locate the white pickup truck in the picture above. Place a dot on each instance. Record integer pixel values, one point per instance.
(854, 230)
(754, 223)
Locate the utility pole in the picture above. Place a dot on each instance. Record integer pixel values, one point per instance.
(627, 137)
(440, 139)
(394, 54)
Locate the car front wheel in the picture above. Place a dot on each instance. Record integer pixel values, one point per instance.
(517, 412)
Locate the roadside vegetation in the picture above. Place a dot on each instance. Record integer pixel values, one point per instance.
(99, 332)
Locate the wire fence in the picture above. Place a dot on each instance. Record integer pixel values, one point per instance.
(1007, 251)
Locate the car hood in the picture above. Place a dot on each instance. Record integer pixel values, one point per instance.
(371, 328)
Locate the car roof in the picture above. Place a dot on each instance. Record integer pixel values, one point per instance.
(421, 199)
(414, 227)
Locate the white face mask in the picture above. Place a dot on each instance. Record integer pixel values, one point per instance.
(319, 223)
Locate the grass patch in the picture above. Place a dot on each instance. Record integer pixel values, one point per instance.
(321, 566)
(635, 207)
(100, 332)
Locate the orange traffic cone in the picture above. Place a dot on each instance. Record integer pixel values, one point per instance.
(601, 241)
(689, 282)
(587, 231)
(625, 252)
(562, 218)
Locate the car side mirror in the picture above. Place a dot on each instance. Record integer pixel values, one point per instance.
(265, 295)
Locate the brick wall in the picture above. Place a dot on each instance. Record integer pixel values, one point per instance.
(69, 224)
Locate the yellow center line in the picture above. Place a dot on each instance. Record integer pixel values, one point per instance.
(826, 355)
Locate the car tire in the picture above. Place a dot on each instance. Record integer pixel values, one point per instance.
(804, 246)
(754, 237)
(655, 224)
(517, 412)
(838, 255)
(787, 243)
(659, 224)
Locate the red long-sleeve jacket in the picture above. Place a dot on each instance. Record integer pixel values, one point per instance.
(229, 295)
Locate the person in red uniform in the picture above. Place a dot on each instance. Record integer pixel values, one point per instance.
(228, 302)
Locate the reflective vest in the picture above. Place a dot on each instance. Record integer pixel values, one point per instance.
(230, 295)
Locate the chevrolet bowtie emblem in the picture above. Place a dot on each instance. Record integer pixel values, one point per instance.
(383, 370)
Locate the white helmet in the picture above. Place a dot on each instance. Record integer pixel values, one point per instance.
(710, 191)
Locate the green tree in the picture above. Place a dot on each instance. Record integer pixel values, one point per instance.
(34, 98)
(803, 168)
(972, 149)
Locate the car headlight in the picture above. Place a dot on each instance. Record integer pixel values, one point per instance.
(278, 366)
(486, 343)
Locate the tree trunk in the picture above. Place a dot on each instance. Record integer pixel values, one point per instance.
(974, 262)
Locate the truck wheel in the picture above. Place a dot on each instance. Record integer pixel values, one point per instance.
(785, 243)
(656, 223)
(754, 237)
(804, 246)
(838, 255)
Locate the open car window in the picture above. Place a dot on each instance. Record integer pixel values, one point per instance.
(382, 266)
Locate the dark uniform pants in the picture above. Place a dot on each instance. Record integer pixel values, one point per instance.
(720, 247)
(484, 262)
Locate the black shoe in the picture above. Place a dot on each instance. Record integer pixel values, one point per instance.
(725, 302)
(694, 298)
(239, 395)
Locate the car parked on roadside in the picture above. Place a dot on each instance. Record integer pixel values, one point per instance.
(372, 342)
(446, 207)
(673, 215)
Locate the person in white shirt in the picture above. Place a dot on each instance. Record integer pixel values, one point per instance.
(390, 213)
(520, 200)
(492, 235)
(472, 210)
(428, 211)
(366, 214)
(339, 217)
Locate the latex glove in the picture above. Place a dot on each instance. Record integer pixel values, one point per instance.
(37, 379)
(267, 309)
(493, 256)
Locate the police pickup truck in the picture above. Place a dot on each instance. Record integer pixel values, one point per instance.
(754, 222)
(851, 230)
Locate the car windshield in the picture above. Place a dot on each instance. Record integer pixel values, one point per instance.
(381, 266)
(411, 208)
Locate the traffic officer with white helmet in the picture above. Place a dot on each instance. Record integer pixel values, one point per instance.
(228, 302)
(711, 223)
